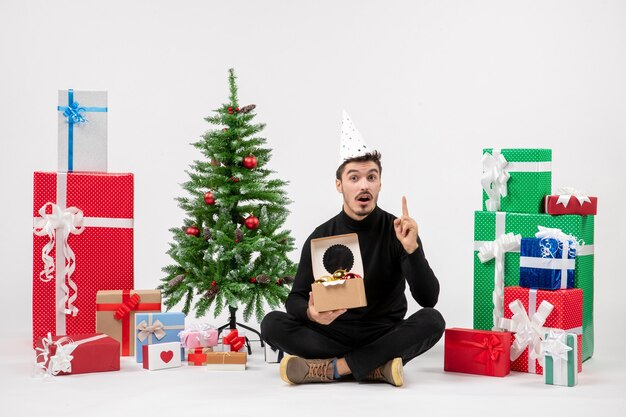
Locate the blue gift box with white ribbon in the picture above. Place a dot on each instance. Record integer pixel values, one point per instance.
(82, 121)
(547, 263)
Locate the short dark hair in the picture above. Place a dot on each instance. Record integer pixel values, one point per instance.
(373, 156)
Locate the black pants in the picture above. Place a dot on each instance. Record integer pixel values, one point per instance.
(364, 345)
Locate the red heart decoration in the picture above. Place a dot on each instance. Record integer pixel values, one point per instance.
(167, 356)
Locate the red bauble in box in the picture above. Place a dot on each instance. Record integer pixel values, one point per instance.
(250, 161)
(103, 251)
(479, 352)
(566, 315)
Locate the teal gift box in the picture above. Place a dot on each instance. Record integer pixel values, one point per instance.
(516, 180)
(155, 328)
(561, 352)
(491, 225)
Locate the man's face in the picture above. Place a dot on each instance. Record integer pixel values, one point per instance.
(360, 185)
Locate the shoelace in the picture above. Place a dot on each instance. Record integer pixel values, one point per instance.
(319, 370)
(376, 374)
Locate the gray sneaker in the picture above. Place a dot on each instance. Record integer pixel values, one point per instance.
(297, 370)
(391, 372)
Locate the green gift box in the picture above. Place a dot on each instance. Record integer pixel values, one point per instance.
(516, 180)
(490, 225)
(560, 350)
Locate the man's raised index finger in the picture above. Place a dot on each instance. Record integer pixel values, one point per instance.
(405, 208)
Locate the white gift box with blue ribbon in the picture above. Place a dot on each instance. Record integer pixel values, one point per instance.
(82, 123)
(548, 261)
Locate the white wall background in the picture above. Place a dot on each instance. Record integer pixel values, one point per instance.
(429, 83)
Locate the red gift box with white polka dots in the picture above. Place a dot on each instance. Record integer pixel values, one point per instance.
(567, 315)
(96, 255)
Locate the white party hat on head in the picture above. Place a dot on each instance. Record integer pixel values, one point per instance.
(352, 143)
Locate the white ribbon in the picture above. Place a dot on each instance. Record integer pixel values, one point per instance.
(566, 193)
(66, 221)
(555, 345)
(528, 331)
(201, 331)
(494, 179)
(61, 361)
(496, 249)
(568, 245)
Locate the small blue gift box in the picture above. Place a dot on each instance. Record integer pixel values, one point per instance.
(155, 328)
(547, 264)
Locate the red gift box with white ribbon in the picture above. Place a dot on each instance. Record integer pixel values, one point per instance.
(530, 313)
(570, 201)
(82, 243)
(77, 354)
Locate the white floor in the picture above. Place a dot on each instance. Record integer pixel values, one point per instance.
(259, 391)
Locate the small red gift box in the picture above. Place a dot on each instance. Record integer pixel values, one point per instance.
(197, 356)
(566, 314)
(479, 352)
(78, 354)
(82, 243)
(570, 204)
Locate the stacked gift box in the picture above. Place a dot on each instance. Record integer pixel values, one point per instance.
(82, 240)
(83, 222)
(86, 313)
(529, 246)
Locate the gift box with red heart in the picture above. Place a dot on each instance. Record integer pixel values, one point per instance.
(161, 356)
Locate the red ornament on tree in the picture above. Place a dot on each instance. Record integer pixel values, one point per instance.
(234, 179)
(253, 280)
(237, 109)
(230, 110)
(213, 283)
(209, 198)
(252, 222)
(250, 161)
(192, 231)
(280, 281)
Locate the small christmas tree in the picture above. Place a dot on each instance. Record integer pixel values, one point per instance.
(231, 251)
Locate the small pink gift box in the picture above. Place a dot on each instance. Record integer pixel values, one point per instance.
(197, 336)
